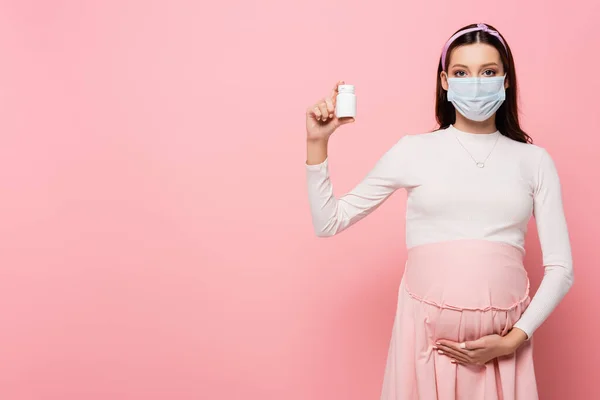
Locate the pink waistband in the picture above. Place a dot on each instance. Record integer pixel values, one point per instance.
(468, 274)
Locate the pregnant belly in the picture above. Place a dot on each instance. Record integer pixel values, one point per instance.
(466, 289)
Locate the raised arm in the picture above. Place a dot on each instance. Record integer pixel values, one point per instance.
(331, 215)
(555, 244)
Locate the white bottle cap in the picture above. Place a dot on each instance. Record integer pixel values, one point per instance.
(345, 88)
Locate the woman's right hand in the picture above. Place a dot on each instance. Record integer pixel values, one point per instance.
(321, 121)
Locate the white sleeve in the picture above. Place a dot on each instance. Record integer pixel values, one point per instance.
(555, 244)
(331, 215)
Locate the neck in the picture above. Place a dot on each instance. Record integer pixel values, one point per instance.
(466, 125)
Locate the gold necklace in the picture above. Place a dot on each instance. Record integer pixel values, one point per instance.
(480, 164)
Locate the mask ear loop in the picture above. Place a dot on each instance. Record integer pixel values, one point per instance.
(479, 27)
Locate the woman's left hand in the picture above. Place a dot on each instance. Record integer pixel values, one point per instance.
(483, 350)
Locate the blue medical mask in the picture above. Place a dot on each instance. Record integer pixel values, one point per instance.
(477, 98)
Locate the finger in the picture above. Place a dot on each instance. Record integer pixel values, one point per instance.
(463, 347)
(323, 109)
(454, 349)
(449, 351)
(317, 112)
(335, 89)
(458, 357)
(330, 106)
(449, 343)
(454, 353)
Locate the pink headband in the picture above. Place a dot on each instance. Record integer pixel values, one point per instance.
(480, 27)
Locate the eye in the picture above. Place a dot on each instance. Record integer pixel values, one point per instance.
(460, 73)
(489, 72)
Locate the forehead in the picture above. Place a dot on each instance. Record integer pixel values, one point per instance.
(475, 54)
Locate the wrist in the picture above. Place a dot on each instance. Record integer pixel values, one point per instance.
(317, 141)
(514, 339)
(316, 151)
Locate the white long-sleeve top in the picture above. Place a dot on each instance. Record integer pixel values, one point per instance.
(449, 197)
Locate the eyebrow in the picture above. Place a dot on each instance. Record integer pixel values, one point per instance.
(484, 65)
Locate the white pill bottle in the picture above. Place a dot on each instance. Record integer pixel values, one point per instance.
(345, 103)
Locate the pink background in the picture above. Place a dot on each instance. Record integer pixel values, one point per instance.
(155, 237)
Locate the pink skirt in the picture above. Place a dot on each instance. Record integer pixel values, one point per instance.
(459, 290)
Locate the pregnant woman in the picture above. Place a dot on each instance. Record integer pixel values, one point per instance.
(465, 317)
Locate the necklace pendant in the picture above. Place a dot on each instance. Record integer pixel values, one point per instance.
(480, 164)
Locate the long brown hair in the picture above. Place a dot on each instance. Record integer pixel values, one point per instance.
(507, 116)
